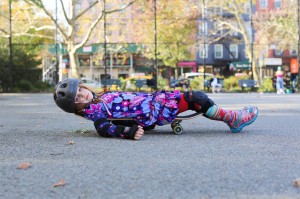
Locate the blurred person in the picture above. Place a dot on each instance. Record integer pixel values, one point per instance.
(279, 80)
(215, 82)
(294, 81)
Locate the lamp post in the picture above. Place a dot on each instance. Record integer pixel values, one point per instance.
(298, 20)
(155, 47)
(251, 36)
(56, 70)
(105, 42)
(204, 40)
(11, 63)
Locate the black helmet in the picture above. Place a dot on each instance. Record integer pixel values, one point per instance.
(64, 94)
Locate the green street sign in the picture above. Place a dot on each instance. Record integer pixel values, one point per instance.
(242, 65)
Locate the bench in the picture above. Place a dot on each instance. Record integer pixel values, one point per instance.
(140, 83)
(247, 83)
(145, 83)
(111, 83)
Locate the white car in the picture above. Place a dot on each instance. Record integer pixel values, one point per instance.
(191, 76)
(90, 83)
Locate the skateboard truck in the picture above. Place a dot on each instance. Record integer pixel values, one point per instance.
(176, 126)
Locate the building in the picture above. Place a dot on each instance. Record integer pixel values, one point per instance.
(222, 50)
(273, 55)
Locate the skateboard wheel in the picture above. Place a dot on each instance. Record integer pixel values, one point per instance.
(177, 129)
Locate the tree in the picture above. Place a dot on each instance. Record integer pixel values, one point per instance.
(67, 29)
(235, 9)
(278, 27)
(176, 27)
(19, 49)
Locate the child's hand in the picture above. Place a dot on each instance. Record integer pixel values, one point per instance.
(139, 133)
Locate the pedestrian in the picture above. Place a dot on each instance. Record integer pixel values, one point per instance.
(215, 82)
(184, 82)
(279, 80)
(294, 81)
(145, 109)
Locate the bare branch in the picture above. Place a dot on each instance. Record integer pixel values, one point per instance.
(5, 32)
(42, 28)
(40, 4)
(84, 11)
(64, 11)
(33, 35)
(120, 9)
(92, 26)
(84, 40)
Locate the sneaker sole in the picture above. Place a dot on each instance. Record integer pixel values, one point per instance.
(236, 130)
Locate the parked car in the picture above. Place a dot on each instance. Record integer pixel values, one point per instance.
(181, 82)
(192, 75)
(91, 83)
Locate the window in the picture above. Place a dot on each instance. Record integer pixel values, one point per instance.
(203, 28)
(218, 51)
(233, 51)
(203, 51)
(122, 27)
(246, 55)
(109, 29)
(233, 32)
(218, 28)
(277, 4)
(77, 8)
(263, 3)
(247, 8)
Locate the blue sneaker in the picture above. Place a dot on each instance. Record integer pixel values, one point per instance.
(244, 117)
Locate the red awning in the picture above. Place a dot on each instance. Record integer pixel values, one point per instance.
(187, 64)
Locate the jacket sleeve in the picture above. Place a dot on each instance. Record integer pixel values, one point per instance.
(106, 129)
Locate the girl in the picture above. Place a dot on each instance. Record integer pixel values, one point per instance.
(146, 109)
(279, 80)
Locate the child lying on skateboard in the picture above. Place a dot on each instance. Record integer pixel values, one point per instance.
(145, 109)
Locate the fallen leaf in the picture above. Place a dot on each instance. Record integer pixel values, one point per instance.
(297, 182)
(70, 142)
(60, 183)
(24, 165)
(56, 153)
(81, 122)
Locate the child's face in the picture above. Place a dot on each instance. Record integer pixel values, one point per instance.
(83, 95)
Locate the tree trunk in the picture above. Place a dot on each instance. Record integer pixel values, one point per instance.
(73, 65)
(176, 72)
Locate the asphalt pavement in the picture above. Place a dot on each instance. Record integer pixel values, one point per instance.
(206, 161)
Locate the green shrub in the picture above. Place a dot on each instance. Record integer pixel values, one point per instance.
(25, 86)
(230, 83)
(197, 83)
(162, 83)
(43, 87)
(267, 86)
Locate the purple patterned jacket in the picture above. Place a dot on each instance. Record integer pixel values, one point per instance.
(145, 109)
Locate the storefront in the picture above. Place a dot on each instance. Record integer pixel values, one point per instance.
(187, 66)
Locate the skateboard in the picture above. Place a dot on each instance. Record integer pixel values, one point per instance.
(175, 125)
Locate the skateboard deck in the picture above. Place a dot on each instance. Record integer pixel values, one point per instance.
(175, 125)
(184, 117)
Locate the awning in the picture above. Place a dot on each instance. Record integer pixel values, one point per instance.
(272, 61)
(242, 65)
(187, 64)
(99, 48)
